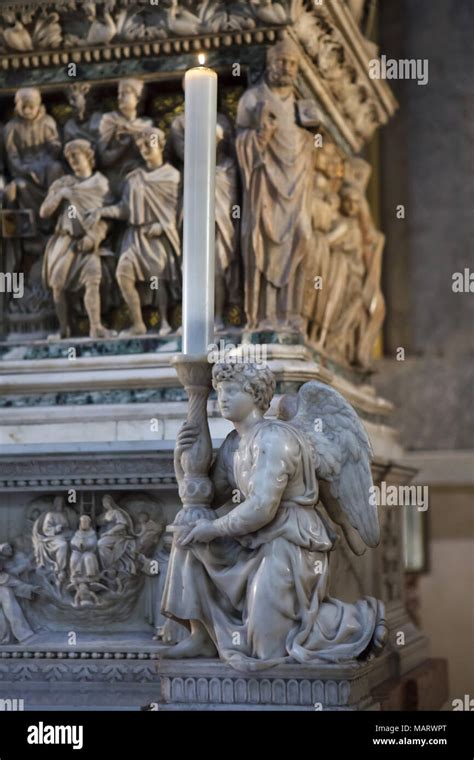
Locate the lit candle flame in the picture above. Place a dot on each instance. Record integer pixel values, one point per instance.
(201, 59)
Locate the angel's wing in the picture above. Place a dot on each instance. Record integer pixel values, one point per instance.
(342, 455)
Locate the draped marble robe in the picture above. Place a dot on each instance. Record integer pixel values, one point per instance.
(110, 127)
(32, 149)
(84, 562)
(150, 197)
(63, 266)
(261, 590)
(276, 216)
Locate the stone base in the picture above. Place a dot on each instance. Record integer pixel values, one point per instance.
(212, 686)
(123, 672)
(122, 679)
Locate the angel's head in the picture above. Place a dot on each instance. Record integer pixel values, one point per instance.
(243, 388)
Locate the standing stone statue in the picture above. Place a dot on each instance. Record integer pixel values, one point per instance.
(83, 125)
(355, 332)
(227, 263)
(150, 248)
(252, 584)
(326, 264)
(32, 147)
(117, 146)
(72, 259)
(275, 157)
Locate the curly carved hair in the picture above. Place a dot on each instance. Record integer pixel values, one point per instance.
(256, 379)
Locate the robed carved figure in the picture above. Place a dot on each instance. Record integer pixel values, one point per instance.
(252, 583)
(275, 156)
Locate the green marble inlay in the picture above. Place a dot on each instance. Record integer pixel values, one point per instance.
(87, 348)
(88, 398)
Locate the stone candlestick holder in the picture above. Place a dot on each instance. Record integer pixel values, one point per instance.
(195, 486)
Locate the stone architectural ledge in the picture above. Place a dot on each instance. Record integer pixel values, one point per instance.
(124, 465)
(290, 364)
(442, 468)
(121, 683)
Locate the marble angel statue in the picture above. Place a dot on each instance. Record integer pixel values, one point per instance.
(251, 581)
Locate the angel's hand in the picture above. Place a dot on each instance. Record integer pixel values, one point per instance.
(187, 437)
(203, 532)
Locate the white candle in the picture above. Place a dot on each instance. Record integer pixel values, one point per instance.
(200, 92)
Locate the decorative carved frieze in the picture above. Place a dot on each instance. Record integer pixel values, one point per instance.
(86, 471)
(37, 35)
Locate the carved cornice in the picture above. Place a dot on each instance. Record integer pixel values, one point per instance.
(120, 50)
(50, 33)
(87, 471)
(125, 470)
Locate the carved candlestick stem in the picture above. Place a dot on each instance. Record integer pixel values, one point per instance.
(195, 487)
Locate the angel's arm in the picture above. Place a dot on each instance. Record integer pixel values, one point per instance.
(273, 464)
(218, 475)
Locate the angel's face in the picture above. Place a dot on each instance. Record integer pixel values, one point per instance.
(235, 403)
